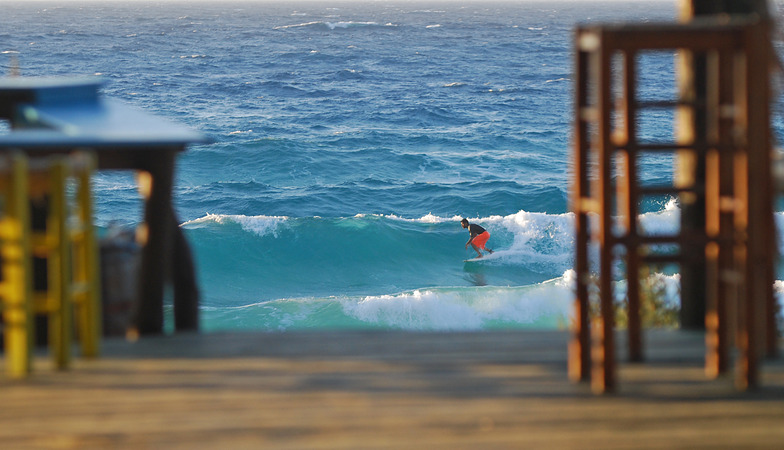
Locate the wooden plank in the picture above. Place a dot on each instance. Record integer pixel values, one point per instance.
(506, 389)
(721, 289)
(580, 345)
(630, 196)
(699, 35)
(603, 352)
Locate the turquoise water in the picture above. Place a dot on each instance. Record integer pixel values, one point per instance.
(350, 138)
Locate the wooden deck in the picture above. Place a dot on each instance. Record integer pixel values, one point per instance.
(383, 390)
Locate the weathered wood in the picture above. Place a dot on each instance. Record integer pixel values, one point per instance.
(384, 390)
(690, 171)
(603, 352)
(157, 245)
(186, 291)
(759, 263)
(721, 287)
(580, 345)
(701, 35)
(723, 126)
(629, 195)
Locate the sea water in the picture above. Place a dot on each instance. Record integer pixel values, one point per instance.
(350, 138)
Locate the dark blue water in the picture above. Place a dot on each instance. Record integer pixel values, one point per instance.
(350, 138)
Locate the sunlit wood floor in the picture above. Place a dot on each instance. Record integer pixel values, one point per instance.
(368, 390)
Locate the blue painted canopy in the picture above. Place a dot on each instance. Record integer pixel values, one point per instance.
(69, 112)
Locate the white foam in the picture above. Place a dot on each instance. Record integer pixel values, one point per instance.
(427, 218)
(671, 283)
(664, 222)
(115, 181)
(778, 289)
(332, 25)
(259, 225)
(467, 308)
(305, 24)
(540, 241)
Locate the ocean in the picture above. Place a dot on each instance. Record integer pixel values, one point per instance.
(349, 141)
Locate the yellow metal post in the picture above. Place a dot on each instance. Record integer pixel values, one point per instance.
(86, 280)
(61, 328)
(16, 291)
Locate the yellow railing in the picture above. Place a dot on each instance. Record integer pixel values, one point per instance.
(67, 243)
(16, 286)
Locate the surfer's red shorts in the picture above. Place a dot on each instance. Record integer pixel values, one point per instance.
(481, 240)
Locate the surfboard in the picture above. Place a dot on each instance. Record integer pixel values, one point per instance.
(494, 255)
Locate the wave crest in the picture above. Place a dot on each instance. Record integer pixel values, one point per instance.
(333, 25)
(259, 225)
(543, 305)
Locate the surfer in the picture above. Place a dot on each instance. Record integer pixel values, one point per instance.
(478, 237)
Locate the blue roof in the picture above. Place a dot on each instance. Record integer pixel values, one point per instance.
(69, 112)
